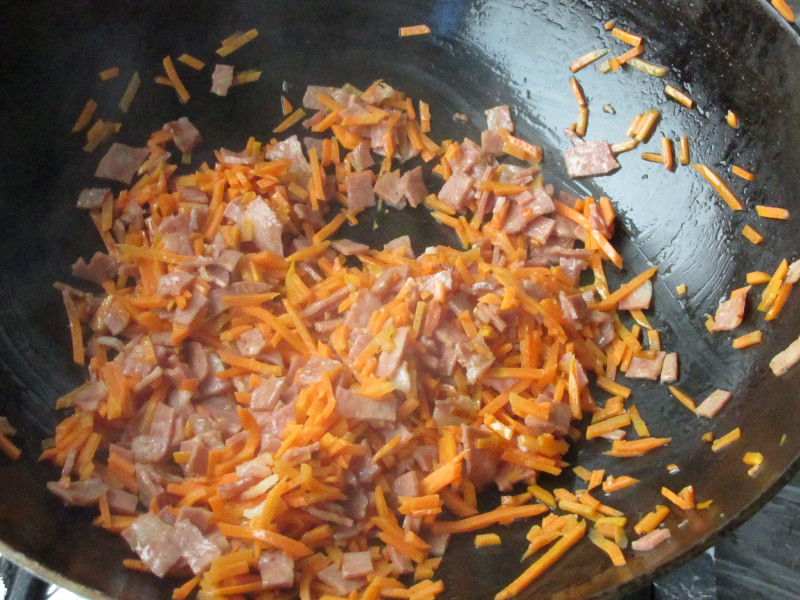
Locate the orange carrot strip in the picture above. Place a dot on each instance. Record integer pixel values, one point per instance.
(502, 515)
(9, 448)
(587, 59)
(752, 235)
(722, 189)
(728, 438)
(683, 152)
(744, 174)
(290, 120)
(626, 289)
(772, 212)
(237, 42)
(569, 539)
(651, 520)
(628, 38)
(109, 73)
(191, 61)
(784, 9)
(176, 82)
(748, 339)
(682, 398)
(86, 115)
(414, 30)
(679, 96)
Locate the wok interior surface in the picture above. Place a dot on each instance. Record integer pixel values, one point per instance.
(727, 54)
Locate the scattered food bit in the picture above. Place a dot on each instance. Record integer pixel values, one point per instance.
(752, 235)
(748, 339)
(587, 59)
(191, 61)
(784, 9)
(110, 73)
(286, 106)
(464, 118)
(608, 109)
(744, 174)
(628, 38)
(720, 186)
(293, 118)
(248, 76)
(175, 81)
(753, 458)
(99, 133)
(682, 398)
(487, 539)
(86, 116)
(609, 25)
(679, 96)
(730, 312)
(590, 159)
(668, 154)
(758, 277)
(712, 405)
(6, 445)
(708, 437)
(646, 125)
(414, 30)
(681, 289)
(236, 41)
(727, 439)
(673, 468)
(647, 67)
(683, 152)
(221, 79)
(786, 359)
(653, 157)
(130, 92)
(732, 119)
(651, 540)
(772, 212)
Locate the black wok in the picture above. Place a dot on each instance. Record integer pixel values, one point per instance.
(728, 54)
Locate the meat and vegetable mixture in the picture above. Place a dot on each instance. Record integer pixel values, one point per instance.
(274, 409)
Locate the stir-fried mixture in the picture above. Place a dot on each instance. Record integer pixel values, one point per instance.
(272, 405)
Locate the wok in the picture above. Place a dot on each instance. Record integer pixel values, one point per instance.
(728, 54)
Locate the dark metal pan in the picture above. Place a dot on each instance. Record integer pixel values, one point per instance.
(728, 54)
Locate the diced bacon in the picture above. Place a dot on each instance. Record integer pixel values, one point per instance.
(121, 502)
(573, 307)
(651, 540)
(192, 193)
(360, 194)
(388, 187)
(267, 228)
(403, 241)
(328, 304)
(400, 562)
(194, 310)
(221, 79)
(172, 284)
(251, 342)
(590, 158)
(413, 186)
(499, 117)
(457, 190)
(730, 313)
(356, 564)
(557, 422)
(79, 493)
(786, 359)
(638, 298)
(93, 198)
(99, 268)
(481, 463)
(349, 247)
(185, 135)
(540, 229)
(310, 99)
(197, 550)
(573, 137)
(153, 447)
(469, 159)
(475, 357)
(491, 143)
(89, 398)
(333, 576)
(353, 405)
(360, 312)
(646, 368)
(121, 162)
(793, 274)
(149, 537)
(360, 158)
(598, 222)
(229, 157)
(669, 370)
(198, 456)
(389, 361)
(292, 149)
(406, 484)
(276, 569)
(713, 403)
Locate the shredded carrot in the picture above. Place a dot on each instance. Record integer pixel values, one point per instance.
(668, 154)
(191, 61)
(109, 73)
(414, 30)
(682, 398)
(679, 96)
(86, 116)
(628, 38)
(732, 119)
(487, 539)
(8, 447)
(743, 173)
(772, 212)
(569, 539)
(651, 520)
(232, 44)
(784, 9)
(172, 75)
(587, 59)
(752, 235)
(725, 440)
(683, 152)
(748, 339)
(293, 118)
(758, 277)
(722, 189)
(626, 289)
